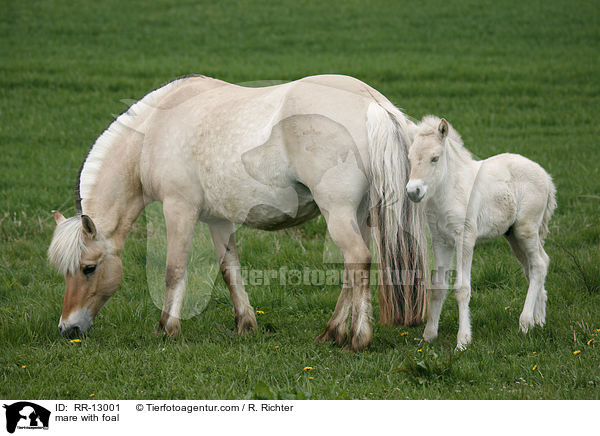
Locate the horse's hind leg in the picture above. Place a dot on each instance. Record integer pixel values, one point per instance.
(223, 236)
(539, 311)
(518, 252)
(537, 260)
(345, 232)
(337, 326)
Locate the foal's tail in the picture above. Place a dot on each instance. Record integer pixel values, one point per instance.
(398, 224)
(550, 206)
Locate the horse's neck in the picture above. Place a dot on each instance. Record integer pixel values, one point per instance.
(455, 188)
(116, 199)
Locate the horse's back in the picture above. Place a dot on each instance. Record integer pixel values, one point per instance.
(246, 153)
(516, 190)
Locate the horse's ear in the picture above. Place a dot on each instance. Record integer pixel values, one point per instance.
(88, 226)
(443, 128)
(58, 217)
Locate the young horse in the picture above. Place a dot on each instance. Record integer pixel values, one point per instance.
(466, 200)
(270, 158)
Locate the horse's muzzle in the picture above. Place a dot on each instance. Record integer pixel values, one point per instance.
(416, 190)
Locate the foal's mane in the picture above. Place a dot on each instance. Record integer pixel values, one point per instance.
(429, 126)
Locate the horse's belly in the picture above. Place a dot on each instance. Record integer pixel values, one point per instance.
(270, 217)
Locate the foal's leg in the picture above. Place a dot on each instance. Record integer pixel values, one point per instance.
(519, 253)
(443, 259)
(462, 289)
(223, 236)
(539, 311)
(538, 261)
(180, 220)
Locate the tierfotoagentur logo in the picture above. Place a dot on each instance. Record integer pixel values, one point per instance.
(26, 415)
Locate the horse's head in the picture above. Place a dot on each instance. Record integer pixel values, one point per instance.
(92, 270)
(426, 156)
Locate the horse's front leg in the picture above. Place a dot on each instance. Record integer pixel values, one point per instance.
(223, 236)
(440, 283)
(462, 288)
(180, 218)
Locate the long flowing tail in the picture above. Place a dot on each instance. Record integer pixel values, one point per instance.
(399, 224)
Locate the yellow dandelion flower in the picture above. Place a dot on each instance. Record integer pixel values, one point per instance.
(311, 378)
(506, 307)
(534, 367)
(419, 350)
(276, 346)
(92, 395)
(598, 330)
(590, 341)
(74, 341)
(576, 352)
(23, 366)
(308, 368)
(534, 352)
(260, 312)
(403, 333)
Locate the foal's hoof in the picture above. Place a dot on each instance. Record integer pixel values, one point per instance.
(429, 335)
(526, 323)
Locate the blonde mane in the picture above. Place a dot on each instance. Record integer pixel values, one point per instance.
(68, 245)
(127, 120)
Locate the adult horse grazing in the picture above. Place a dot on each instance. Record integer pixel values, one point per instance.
(466, 200)
(270, 158)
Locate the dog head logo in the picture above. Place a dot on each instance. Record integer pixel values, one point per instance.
(26, 415)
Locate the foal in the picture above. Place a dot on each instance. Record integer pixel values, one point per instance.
(466, 200)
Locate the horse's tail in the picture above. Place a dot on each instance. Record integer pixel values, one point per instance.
(398, 224)
(550, 206)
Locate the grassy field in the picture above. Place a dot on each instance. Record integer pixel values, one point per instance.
(509, 75)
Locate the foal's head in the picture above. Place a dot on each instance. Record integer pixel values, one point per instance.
(426, 156)
(92, 270)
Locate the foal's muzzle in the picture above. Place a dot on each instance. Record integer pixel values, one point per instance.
(416, 190)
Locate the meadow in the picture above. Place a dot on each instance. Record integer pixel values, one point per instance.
(509, 75)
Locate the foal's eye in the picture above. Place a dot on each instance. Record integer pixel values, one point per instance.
(435, 159)
(89, 269)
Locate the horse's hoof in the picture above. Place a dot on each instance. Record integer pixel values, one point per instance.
(338, 335)
(526, 323)
(246, 324)
(324, 337)
(361, 341)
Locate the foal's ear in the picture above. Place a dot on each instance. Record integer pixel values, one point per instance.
(88, 226)
(58, 217)
(443, 128)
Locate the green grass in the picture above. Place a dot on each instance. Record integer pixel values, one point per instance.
(510, 76)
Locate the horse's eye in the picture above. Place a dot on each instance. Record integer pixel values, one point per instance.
(435, 159)
(89, 269)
